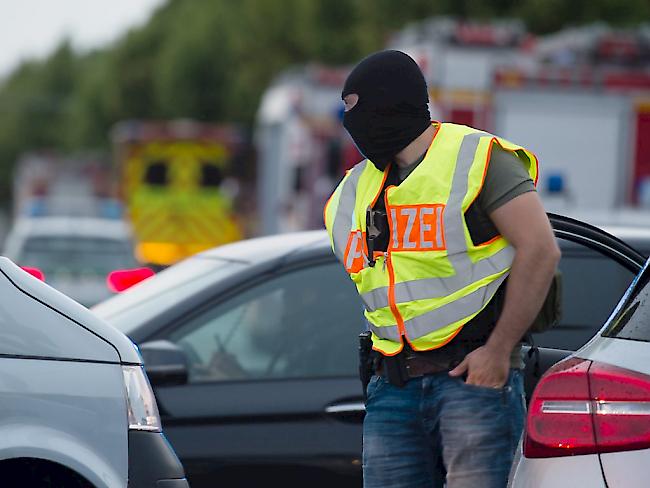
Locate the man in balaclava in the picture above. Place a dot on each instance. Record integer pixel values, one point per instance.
(392, 108)
(429, 227)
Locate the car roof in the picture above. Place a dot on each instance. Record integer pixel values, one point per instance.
(267, 248)
(628, 233)
(297, 244)
(71, 226)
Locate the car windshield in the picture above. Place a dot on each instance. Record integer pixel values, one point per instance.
(76, 255)
(631, 319)
(130, 309)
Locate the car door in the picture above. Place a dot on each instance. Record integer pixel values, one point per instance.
(596, 269)
(273, 393)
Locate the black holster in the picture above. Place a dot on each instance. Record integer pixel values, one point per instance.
(395, 369)
(366, 360)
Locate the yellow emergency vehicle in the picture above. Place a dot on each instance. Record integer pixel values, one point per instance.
(172, 183)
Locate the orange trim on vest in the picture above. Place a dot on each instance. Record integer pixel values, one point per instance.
(442, 344)
(383, 182)
(485, 168)
(491, 241)
(386, 354)
(329, 200)
(391, 272)
(327, 204)
(536, 168)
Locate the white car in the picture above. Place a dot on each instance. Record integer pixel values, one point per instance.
(75, 255)
(588, 422)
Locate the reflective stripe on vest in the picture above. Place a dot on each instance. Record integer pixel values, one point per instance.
(409, 291)
(344, 218)
(443, 316)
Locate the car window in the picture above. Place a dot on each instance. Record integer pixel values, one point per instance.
(76, 255)
(592, 285)
(302, 324)
(152, 297)
(632, 318)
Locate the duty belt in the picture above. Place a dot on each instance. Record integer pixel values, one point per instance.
(412, 364)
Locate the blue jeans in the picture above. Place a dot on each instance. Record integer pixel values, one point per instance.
(437, 430)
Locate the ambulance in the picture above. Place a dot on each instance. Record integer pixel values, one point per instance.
(175, 185)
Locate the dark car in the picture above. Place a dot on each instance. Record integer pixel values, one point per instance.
(252, 350)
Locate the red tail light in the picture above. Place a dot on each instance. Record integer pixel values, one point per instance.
(123, 279)
(583, 407)
(35, 272)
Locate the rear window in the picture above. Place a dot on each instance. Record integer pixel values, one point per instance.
(632, 318)
(76, 255)
(128, 310)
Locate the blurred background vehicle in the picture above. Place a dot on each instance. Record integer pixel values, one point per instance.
(302, 147)
(47, 184)
(77, 408)
(563, 87)
(237, 343)
(173, 181)
(76, 255)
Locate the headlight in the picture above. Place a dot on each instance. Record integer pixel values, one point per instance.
(141, 403)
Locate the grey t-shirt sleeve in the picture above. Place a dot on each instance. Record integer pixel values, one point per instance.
(506, 179)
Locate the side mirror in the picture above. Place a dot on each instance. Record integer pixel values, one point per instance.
(164, 362)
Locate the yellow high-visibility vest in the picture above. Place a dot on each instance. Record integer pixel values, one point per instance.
(432, 279)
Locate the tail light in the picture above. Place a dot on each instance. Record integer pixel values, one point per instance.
(585, 407)
(123, 279)
(35, 272)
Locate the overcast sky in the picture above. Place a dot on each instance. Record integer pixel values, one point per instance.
(33, 28)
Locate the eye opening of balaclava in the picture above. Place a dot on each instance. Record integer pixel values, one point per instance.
(392, 110)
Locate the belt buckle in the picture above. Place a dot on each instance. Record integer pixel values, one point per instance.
(427, 365)
(409, 371)
(409, 367)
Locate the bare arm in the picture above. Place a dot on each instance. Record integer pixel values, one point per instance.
(523, 222)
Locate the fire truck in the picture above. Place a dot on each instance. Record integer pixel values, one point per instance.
(302, 147)
(583, 107)
(459, 60)
(47, 184)
(175, 187)
(579, 99)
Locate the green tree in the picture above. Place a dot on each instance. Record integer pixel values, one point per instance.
(212, 59)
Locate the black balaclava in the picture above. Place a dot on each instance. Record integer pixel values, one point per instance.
(392, 110)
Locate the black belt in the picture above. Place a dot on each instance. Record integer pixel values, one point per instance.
(412, 364)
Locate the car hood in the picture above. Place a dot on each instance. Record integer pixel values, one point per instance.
(38, 321)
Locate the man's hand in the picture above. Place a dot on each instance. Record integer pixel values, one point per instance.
(485, 366)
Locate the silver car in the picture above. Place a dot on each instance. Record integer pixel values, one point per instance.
(75, 255)
(76, 408)
(588, 421)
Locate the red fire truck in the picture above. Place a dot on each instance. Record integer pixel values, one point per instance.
(580, 99)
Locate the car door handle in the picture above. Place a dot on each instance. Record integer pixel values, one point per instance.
(345, 408)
